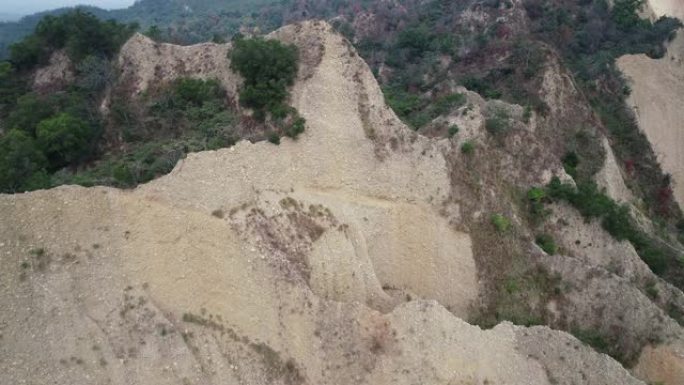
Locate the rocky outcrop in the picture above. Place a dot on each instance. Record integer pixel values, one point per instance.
(145, 63)
(56, 75)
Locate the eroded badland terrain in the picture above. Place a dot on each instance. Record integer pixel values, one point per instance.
(363, 252)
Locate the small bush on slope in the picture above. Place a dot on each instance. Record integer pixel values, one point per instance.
(546, 243)
(501, 223)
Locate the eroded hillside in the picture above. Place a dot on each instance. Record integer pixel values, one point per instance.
(352, 255)
(656, 84)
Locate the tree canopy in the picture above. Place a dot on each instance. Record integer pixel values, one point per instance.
(268, 68)
(79, 32)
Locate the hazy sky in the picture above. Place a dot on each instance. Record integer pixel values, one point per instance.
(24, 7)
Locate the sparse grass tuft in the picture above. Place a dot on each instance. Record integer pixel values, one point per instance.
(501, 223)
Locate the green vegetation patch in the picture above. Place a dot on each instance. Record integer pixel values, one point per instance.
(591, 35)
(468, 147)
(618, 222)
(501, 223)
(546, 243)
(268, 67)
(80, 33)
(498, 122)
(417, 111)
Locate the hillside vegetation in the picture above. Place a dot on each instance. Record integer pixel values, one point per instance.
(63, 137)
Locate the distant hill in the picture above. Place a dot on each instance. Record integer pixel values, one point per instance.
(12, 31)
(9, 16)
(183, 22)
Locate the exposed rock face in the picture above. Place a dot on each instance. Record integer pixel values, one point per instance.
(56, 75)
(341, 258)
(145, 63)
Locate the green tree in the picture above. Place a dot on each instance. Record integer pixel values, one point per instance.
(11, 87)
(28, 53)
(21, 162)
(5, 70)
(268, 68)
(28, 112)
(63, 139)
(626, 13)
(80, 33)
(94, 74)
(153, 33)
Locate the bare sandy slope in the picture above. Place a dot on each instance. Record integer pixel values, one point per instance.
(145, 63)
(320, 261)
(674, 8)
(657, 86)
(107, 306)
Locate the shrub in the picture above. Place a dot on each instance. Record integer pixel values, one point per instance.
(28, 112)
(501, 223)
(21, 163)
(417, 111)
(652, 290)
(527, 114)
(274, 138)
(570, 163)
(444, 104)
(536, 196)
(95, 73)
(453, 130)
(467, 147)
(594, 338)
(153, 32)
(196, 92)
(268, 68)
(626, 13)
(401, 101)
(498, 122)
(63, 139)
(296, 128)
(123, 175)
(546, 243)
